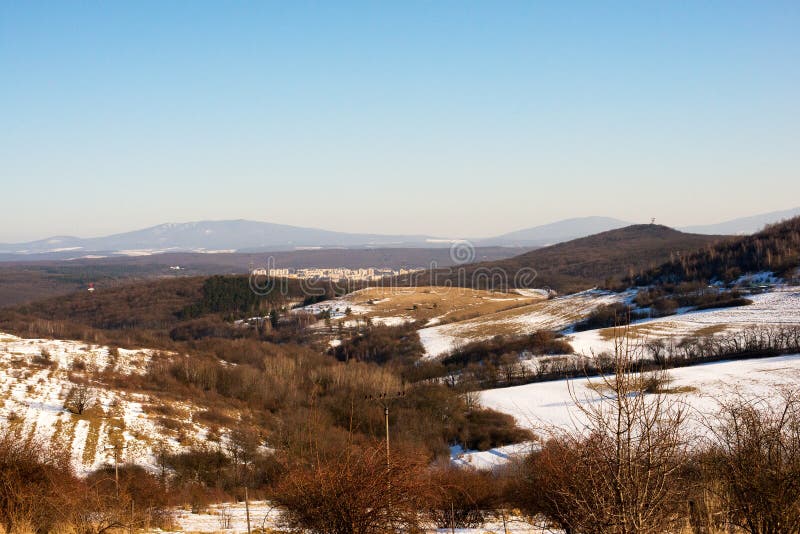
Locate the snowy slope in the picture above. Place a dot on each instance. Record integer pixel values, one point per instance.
(540, 405)
(778, 306)
(34, 385)
(553, 314)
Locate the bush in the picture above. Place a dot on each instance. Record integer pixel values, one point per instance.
(354, 492)
(485, 429)
(606, 316)
(462, 498)
(755, 457)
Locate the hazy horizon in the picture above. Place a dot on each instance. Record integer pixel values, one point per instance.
(445, 118)
(428, 234)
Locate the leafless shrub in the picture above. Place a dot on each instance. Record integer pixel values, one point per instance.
(354, 492)
(617, 472)
(80, 398)
(462, 498)
(755, 457)
(225, 517)
(44, 358)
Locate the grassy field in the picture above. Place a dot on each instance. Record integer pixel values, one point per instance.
(438, 304)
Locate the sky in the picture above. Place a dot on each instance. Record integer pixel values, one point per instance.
(447, 118)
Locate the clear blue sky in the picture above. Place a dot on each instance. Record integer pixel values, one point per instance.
(448, 118)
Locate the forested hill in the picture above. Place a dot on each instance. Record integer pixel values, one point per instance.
(775, 249)
(603, 259)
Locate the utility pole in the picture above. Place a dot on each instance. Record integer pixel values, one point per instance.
(116, 449)
(384, 400)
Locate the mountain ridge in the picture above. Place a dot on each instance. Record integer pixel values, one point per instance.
(243, 236)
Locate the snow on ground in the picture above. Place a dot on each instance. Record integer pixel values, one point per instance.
(393, 321)
(437, 341)
(231, 518)
(776, 307)
(532, 292)
(65, 354)
(553, 314)
(540, 405)
(491, 459)
(764, 277)
(34, 386)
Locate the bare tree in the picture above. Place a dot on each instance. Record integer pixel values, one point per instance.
(80, 398)
(618, 470)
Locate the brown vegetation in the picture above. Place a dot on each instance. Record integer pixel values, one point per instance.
(356, 491)
(776, 249)
(599, 260)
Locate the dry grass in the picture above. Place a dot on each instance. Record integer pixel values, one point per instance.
(661, 329)
(425, 303)
(541, 314)
(710, 330)
(645, 382)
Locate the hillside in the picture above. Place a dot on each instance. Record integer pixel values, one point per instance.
(155, 312)
(775, 249)
(602, 259)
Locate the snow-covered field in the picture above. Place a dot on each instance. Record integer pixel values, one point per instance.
(488, 460)
(776, 307)
(545, 404)
(34, 385)
(553, 314)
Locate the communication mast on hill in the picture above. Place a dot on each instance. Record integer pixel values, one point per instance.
(652, 220)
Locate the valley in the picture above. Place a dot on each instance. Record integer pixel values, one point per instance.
(211, 385)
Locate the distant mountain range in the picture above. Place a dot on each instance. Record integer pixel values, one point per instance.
(208, 236)
(557, 232)
(743, 225)
(253, 236)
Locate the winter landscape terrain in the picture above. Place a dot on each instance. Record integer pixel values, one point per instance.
(207, 385)
(399, 267)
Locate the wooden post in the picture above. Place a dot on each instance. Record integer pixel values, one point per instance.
(386, 418)
(247, 509)
(116, 470)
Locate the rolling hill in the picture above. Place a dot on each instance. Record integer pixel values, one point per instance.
(775, 249)
(602, 259)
